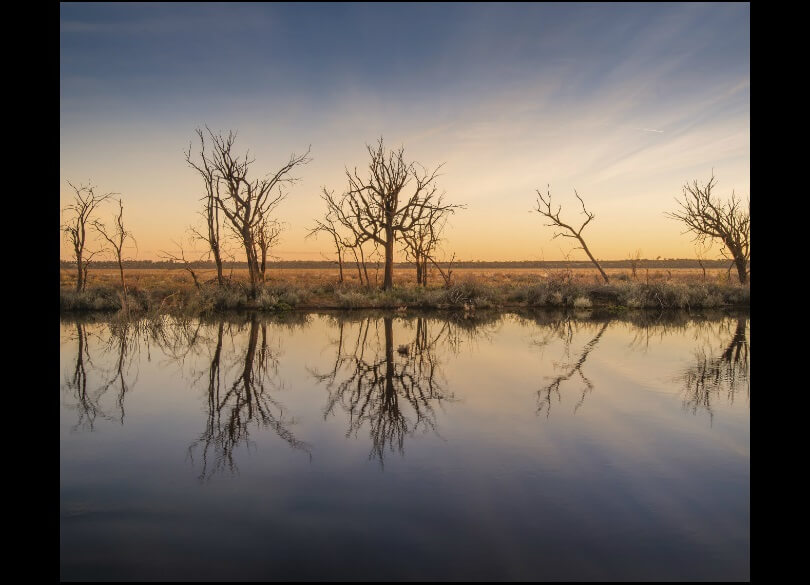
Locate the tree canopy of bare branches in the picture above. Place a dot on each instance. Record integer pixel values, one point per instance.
(564, 230)
(80, 211)
(394, 198)
(246, 203)
(710, 218)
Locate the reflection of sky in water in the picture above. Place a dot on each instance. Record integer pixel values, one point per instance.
(630, 485)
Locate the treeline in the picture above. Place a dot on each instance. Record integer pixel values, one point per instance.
(394, 206)
(472, 264)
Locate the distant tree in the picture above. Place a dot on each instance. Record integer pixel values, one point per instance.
(246, 203)
(80, 211)
(565, 230)
(710, 218)
(116, 237)
(377, 207)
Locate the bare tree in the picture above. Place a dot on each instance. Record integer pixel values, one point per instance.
(378, 209)
(330, 224)
(352, 238)
(267, 234)
(210, 210)
(85, 201)
(116, 237)
(245, 202)
(564, 230)
(709, 218)
(422, 242)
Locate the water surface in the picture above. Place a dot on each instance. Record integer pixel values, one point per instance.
(397, 446)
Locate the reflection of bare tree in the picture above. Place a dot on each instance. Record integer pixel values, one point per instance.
(121, 338)
(564, 329)
(86, 403)
(391, 391)
(234, 407)
(716, 373)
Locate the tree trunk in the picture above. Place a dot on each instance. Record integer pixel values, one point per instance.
(419, 273)
(357, 263)
(588, 252)
(741, 268)
(340, 266)
(388, 278)
(218, 260)
(365, 268)
(123, 284)
(79, 280)
(252, 263)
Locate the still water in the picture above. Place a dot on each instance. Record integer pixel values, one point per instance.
(398, 446)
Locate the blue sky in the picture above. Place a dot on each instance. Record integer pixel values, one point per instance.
(624, 102)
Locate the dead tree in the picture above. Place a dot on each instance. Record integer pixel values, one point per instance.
(421, 243)
(210, 210)
(81, 209)
(347, 226)
(563, 229)
(267, 234)
(709, 218)
(247, 202)
(116, 237)
(330, 224)
(378, 207)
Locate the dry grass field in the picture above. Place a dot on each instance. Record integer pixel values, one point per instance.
(313, 277)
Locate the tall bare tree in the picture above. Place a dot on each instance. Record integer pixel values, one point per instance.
(378, 208)
(210, 210)
(565, 230)
(247, 202)
(80, 210)
(710, 218)
(117, 237)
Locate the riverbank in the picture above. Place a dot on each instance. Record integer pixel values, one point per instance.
(466, 296)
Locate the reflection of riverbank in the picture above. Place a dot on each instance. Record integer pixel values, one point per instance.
(387, 381)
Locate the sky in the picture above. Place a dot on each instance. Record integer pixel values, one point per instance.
(623, 102)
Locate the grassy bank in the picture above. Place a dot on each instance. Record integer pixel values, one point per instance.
(467, 295)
